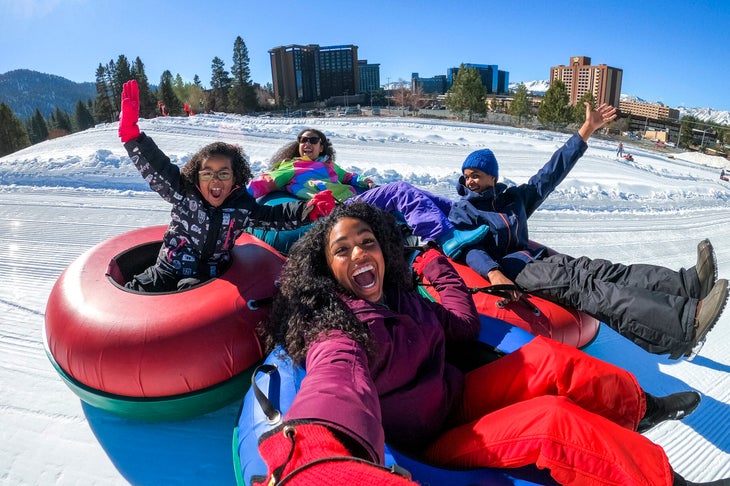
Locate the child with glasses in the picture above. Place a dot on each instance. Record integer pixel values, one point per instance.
(306, 167)
(210, 205)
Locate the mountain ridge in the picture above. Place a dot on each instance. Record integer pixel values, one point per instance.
(24, 90)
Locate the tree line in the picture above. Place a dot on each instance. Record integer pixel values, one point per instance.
(231, 92)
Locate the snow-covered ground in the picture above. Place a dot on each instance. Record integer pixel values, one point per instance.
(60, 197)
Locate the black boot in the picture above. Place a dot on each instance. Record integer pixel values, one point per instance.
(680, 481)
(672, 407)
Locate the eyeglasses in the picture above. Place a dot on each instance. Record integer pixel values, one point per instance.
(221, 175)
(312, 140)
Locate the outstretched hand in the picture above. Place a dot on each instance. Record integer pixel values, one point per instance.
(129, 116)
(595, 119)
(419, 264)
(322, 204)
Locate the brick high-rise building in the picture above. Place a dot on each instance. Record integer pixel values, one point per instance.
(579, 77)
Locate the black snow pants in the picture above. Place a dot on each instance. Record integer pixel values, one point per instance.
(652, 306)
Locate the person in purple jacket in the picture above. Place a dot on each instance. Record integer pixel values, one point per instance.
(374, 348)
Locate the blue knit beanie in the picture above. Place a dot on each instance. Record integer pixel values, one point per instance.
(483, 160)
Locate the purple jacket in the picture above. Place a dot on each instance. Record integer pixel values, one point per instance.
(417, 389)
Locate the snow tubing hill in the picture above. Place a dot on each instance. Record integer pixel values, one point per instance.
(158, 356)
(535, 315)
(281, 386)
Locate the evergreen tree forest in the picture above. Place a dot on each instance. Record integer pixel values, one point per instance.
(231, 92)
(13, 135)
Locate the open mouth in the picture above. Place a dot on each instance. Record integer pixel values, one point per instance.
(364, 277)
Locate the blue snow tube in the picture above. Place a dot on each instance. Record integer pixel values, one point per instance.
(282, 384)
(281, 240)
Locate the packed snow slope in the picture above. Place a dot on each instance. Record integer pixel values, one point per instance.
(61, 197)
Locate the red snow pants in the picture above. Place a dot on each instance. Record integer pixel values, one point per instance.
(558, 408)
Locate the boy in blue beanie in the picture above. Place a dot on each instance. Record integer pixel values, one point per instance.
(661, 310)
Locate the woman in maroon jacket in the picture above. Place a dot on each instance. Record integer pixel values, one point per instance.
(347, 309)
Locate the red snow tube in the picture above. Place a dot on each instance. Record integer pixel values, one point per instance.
(113, 345)
(535, 315)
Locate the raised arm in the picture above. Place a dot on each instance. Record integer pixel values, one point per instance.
(595, 119)
(129, 116)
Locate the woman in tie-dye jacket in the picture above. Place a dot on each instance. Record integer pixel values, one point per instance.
(307, 166)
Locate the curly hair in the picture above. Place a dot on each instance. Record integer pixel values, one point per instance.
(309, 302)
(291, 150)
(239, 163)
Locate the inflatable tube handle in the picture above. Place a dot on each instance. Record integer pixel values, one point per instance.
(273, 415)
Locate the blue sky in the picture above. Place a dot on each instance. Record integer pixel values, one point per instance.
(673, 51)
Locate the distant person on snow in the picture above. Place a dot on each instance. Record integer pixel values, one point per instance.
(210, 205)
(661, 310)
(620, 150)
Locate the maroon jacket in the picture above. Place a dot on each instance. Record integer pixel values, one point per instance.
(416, 388)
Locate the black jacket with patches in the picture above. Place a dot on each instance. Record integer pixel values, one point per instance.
(199, 238)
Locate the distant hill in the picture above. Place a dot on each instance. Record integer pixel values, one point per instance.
(24, 90)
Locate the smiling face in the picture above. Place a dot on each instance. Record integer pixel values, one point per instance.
(309, 149)
(355, 258)
(215, 190)
(477, 180)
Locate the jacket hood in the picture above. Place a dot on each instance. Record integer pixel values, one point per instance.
(467, 193)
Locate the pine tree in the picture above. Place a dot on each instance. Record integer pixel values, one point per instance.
(579, 110)
(13, 135)
(114, 88)
(220, 83)
(103, 108)
(59, 124)
(167, 95)
(521, 104)
(686, 126)
(555, 110)
(123, 73)
(82, 118)
(196, 81)
(38, 130)
(241, 95)
(467, 94)
(147, 102)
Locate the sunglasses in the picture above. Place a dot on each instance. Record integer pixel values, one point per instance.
(312, 140)
(221, 175)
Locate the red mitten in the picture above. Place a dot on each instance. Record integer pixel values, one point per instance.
(326, 459)
(419, 264)
(128, 128)
(322, 204)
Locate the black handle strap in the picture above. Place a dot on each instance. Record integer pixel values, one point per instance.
(273, 415)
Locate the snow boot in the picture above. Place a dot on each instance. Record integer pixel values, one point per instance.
(672, 407)
(708, 312)
(453, 243)
(706, 267)
(680, 481)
